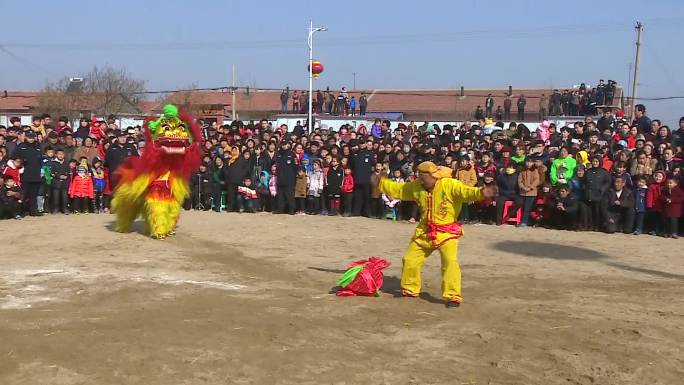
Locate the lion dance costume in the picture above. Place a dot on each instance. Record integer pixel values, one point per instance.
(438, 228)
(155, 184)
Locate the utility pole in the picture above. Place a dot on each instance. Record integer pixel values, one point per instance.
(312, 30)
(635, 82)
(354, 74)
(232, 88)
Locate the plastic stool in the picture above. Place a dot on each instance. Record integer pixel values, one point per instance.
(514, 219)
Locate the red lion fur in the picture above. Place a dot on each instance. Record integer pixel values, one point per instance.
(155, 162)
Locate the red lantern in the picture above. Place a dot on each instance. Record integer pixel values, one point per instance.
(316, 68)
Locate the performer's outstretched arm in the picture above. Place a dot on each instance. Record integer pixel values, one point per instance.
(463, 192)
(405, 191)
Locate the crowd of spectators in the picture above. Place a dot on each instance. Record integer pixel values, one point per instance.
(607, 175)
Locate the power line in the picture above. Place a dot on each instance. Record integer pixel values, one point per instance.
(26, 61)
(435, 37)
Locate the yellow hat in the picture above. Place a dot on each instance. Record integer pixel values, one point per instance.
(437, 172)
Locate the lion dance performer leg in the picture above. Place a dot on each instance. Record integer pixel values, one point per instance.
(439, 198)
(155, 184)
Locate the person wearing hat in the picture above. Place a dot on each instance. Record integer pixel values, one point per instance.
(32, 159)
(362, 163)
(286, 172)
(116, 154)
(52, 141)
(440, 199)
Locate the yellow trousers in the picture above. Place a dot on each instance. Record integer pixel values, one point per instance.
(419, 249)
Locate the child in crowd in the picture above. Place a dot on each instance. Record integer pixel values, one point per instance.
(273, 187)
(621, 172)
(46, 176)
(315, 182)
(376, 201)
(486, 209)
(393, 206)
(14, 168)
(640, 193)
(485, 165)
(672, 199)
(654, 205)
(247, 196)
(300, 190)
(564, 209)
(81, 189)
(10, 198)
(467, 174)
(333, 182)
(59, 189)
(542, 204)
(99, 186)
(264, 192)
(347, 191)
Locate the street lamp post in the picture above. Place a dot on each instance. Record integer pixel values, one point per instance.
(310, 43)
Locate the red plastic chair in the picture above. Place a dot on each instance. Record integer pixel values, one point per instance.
(513, 219)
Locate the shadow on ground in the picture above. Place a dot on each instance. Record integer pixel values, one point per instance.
(138, 227)
(574, 253)
(549, 250)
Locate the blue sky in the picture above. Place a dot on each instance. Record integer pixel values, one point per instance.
(397, 44)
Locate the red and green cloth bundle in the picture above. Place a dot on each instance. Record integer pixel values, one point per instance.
(362, 278)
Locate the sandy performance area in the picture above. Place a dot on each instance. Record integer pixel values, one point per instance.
(245, 299)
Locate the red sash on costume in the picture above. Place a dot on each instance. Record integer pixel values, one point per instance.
(160, 189)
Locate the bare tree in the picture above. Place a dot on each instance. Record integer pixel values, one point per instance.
(102, 92)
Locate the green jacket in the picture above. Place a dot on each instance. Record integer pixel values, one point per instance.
(569, 164)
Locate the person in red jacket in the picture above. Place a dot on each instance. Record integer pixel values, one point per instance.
(347, 191)
(14, 168)
(81, 189)
(654, 206)
(672, 199)
(96, 129)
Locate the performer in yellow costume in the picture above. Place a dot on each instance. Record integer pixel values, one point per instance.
(440, 198)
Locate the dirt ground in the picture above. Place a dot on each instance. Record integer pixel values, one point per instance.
(245, 299)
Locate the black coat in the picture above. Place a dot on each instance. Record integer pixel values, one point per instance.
(265, 162)
(201, 182)
(33, 161)
(362, 163)
(613, 211)
(569, 202)
(598, 182)
(334, 179)
(286, 168)
(235, 173)
(117, 153)
(508, 185)
(58, 170)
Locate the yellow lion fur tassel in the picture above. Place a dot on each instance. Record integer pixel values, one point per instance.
(160, 213)
(128, 202)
